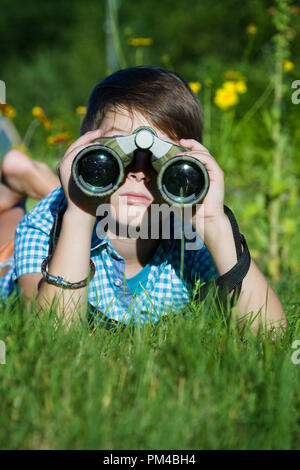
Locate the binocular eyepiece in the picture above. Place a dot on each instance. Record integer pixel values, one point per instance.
(98, 170)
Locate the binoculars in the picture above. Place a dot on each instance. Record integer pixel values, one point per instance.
(98, 170)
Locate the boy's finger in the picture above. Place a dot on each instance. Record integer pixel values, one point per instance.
(205, 158)
(192, 144)
(85, 139)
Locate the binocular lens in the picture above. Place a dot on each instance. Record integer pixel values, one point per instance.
(184, 182)
(97, 171)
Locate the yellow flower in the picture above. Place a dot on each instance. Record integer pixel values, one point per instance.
(140, 42)
(225, 99)
(229, 86)
(81, 110)
(237, 87)
(7, 110)
(251, 29)
(58, 138)
(39, 113)
(10, 112)
(21, 148)
(195, 86)
(288, 65)
(240, 87)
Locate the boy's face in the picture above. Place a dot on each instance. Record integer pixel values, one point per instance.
(139, 190)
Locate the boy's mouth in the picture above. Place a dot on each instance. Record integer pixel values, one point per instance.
(136, 198)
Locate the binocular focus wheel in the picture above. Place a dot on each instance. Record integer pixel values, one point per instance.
(144, 139)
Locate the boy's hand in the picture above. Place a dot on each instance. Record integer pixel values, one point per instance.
(212, 206)
(78, 203)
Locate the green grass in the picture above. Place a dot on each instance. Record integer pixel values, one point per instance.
(190, 383)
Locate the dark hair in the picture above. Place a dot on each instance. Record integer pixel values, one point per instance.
(162, 96)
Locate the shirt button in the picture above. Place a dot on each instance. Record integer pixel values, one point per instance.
(118, 282)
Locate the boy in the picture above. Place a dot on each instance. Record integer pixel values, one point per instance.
(124, 101)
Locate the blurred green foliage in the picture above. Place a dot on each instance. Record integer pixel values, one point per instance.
(60, 45)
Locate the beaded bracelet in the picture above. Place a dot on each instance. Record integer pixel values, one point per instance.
(60, 282)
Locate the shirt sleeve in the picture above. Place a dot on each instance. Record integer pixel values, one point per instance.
(31, 248)
(33, 235)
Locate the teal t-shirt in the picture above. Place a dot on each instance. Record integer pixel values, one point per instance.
(135, 282)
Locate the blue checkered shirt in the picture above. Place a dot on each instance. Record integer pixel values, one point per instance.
(165, 291)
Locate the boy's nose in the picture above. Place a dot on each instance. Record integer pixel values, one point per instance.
(138, 176)
(140, 167)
